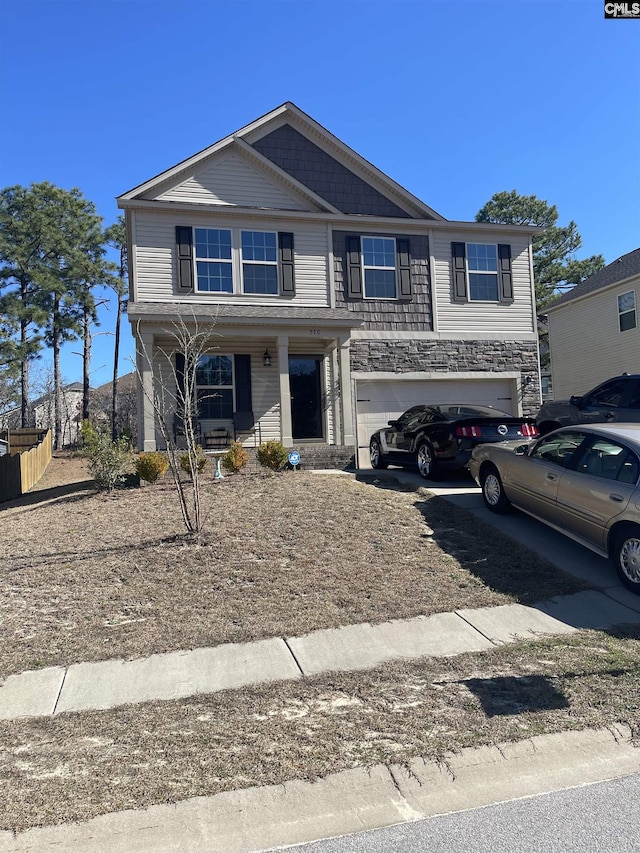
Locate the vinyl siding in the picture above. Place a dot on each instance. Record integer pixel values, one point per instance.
(587, 345)
(156, 276)
(514, 317)
(230, 180)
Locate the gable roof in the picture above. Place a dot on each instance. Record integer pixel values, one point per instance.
(626, 266)
(289, 124)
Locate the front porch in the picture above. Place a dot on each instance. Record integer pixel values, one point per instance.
(290, 383)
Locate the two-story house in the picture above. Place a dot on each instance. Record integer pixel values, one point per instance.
(339, 298)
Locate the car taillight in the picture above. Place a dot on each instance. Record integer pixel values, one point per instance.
(468, 432)
(529, 429)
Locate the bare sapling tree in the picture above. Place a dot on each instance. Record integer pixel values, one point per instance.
(173, 370)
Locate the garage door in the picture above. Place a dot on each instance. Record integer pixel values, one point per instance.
(379, 401)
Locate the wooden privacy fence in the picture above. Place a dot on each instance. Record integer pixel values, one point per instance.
(21, 470)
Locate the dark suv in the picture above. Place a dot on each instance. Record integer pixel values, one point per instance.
(616, 400)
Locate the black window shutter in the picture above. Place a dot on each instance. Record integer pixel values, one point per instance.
(184, 244)
(506, 277)
(354, 269)
(459, 273)
(242, 365)
(287, 272)
(403, 250)
(180, 381)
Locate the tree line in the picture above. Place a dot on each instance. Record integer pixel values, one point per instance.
(53, 275)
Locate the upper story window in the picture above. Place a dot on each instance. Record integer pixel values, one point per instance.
(230, 260)
(481, 272)
(627, 311)
(379, 267)
(259, 262)
(214, 269)
(482, 262)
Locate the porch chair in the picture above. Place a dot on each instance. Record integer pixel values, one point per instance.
(243, 422)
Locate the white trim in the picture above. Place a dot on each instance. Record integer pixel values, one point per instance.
(332, 269)
(372, 224)
(429, 375)
(383, 335)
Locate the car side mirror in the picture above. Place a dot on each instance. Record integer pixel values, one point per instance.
(522, 450)
(393, 424)
(576, 401)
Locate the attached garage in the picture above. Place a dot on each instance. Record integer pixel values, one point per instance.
(381, 400)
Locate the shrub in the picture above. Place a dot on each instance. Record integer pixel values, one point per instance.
(272, 454)
(235, 458)
(152, 466)
(89, 436)
(201, 461)
(109, 461)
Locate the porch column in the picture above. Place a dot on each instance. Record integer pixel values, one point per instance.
(146, 417)
(286, 429)
(348, 436)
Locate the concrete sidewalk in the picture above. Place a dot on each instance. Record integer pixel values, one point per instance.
(107, 684)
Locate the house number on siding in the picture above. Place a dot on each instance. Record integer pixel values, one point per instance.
(314, 331)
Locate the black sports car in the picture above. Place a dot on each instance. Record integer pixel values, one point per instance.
(442, 435)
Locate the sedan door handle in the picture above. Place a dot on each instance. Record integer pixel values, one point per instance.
(551, 477)
(617, 498)
(608, 416)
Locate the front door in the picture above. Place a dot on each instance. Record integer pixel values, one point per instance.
(306, 396)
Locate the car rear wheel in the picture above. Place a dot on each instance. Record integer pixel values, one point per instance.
(375, 454)
(426, 461)
(493, 491)
(625, 555)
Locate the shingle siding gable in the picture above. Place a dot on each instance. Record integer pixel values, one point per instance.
(316, 169)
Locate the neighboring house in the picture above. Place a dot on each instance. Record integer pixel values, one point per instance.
(594, 331)
(340, 298)
(126, 404)
(43, 414)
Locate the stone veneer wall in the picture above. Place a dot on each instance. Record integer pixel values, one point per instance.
(453, 357)
(389, 314)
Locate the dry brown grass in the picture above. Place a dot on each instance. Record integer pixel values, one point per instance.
(89, 576)
(76, 766)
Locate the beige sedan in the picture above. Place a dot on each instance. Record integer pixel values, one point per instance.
(581, 480)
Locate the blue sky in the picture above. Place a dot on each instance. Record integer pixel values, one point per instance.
(454, 100)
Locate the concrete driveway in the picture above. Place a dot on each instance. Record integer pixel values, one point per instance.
(563, 552)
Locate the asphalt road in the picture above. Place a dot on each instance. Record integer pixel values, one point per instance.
(592, 819)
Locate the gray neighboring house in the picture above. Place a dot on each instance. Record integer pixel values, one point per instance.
(594, 332)
(340, 299)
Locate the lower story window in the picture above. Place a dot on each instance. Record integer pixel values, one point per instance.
(214, 387)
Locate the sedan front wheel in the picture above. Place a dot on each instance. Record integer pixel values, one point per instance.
(493, 491)
(625, 555)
